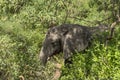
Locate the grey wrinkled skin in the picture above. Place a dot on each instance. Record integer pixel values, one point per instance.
(67, 38)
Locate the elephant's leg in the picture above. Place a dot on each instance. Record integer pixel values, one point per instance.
(68, 51)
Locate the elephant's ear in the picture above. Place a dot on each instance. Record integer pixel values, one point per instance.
(64, 31)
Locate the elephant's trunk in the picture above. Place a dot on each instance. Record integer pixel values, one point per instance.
(43, 57)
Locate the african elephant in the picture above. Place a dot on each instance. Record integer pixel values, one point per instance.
(67, 38)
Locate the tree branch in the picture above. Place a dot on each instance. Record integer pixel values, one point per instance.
(112, 28)
(95, 22)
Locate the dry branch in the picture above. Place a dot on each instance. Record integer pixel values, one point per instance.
(112, 28)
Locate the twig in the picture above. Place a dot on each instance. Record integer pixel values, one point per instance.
(95, 22)
(112, 28)
(21, 77)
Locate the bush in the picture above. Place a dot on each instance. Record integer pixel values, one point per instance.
(8, 67)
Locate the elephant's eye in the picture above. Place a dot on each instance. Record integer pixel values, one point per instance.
(54, 43)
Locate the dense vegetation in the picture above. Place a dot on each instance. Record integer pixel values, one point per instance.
(23, 24)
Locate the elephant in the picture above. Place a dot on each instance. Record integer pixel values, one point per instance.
(68, 38)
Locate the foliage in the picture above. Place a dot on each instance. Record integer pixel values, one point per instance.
(23, 24)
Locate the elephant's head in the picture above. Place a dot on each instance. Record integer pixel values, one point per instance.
(51, 45)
